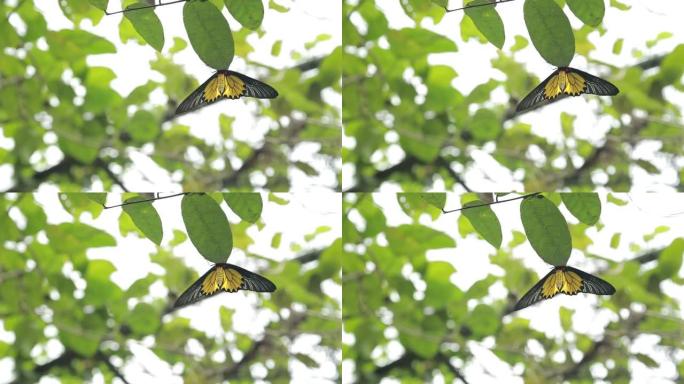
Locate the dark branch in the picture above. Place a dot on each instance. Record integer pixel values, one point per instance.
(477, 5)
(144, 200)
(491, 203)
(129, 9)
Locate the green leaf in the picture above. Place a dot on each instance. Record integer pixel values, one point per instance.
(70, 238)
(249, 13)
(550, 31)
(589, 11)
(670, 259)
(147, 24)
(440, 291)
(483, 321)
(415, 43)
(209, 34)
(146, 218)
(585, 206)
(487, 21)
(101, 4)
(423, 338)
(485, 222)
(546, 230)
(566, 318)
(247, 205)
(144, 319)
(226, 317)
(143, 126)
(416, 204)
(207, 227)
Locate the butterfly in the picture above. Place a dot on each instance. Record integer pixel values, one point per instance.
(567, 280)
(225, 84)
(566, 81)
(223, 277)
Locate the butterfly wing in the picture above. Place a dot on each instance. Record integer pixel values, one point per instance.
(223, 278)
(596, 85)
(252, 281)
(535, 97)
(197, 99)
(195, 293)
(536, 294)
(254, 87)
(593, 284)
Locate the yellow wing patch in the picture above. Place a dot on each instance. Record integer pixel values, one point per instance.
(569, 83)
(228, 86)
(225, 279)
(561, 281)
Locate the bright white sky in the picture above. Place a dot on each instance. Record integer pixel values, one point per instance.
(472, 62)
(131, 65)
(131, 259)
(470, 258)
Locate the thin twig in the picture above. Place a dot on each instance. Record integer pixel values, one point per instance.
(476, 5)
(160, 4)
(145, 200)
(491, 203)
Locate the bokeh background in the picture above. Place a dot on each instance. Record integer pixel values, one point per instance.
(87, 105)
(85, 297)
(425, 299)
(430, 104)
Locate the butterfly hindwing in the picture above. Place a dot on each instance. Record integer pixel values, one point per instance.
(225, 84)
(596, 85)
(593, 284)
(566, 280)
(255, 88)
(536, 96)
(223, 277)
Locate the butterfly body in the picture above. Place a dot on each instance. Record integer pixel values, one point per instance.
(225, 84)
(567, 81)
(565, 280)
(223, 277)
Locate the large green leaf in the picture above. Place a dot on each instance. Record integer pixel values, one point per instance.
(148, 25)
(207, 227)
(546, 229)
(589, 11)
(484, 221)
(487, 21)
(247, 205)
(585, 206)
(550, 31)
(146, 218)
(249, 13)
(209, 34)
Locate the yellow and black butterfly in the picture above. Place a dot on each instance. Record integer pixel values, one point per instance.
(567, 81)
(223, 277)
(225, 84)
(566, 280)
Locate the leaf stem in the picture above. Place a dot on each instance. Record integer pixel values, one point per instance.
(155, 198)
(492, 203)
(476, 5)
(160, 4)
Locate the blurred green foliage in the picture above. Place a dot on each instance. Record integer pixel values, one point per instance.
(63, 124)
(68, 320)
(405, 318)
(406, 124)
